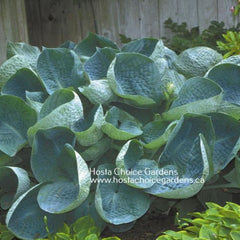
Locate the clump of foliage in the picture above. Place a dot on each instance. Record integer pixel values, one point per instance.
(91, 129)
(184, 38)
(5, 234)
(82, 229)
(215, 223)
(232, 44)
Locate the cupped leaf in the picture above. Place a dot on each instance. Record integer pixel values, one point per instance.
(23, 80)
(120, 125)
(14, 181)
(71, 183)
(15, 119)
(94, 152)
(135, 77)
(26, 219)
(46, 148)
(135, 171)
(31, 53)
(144, 46)
(88, 46)
(87, 208)
(185, 163)
(68, 45)
(227, 76)
(198, 95)
(11, 66)
(227, 144)
(116, 202)
(91, 132)
(97, 65)
(60, 68)
(156, 133)
(98, 92)
(62, 108)
(36, 100)
(194, 62)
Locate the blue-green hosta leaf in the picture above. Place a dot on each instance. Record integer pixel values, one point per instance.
(14, 182)
(185, 158)
(46, 148)
(15, 119)
(88, 46)
(227, 144)
(98, 92)
(26, 219)
(95, 151)
(195, 62)
(31, 53)
(144, 46)
(60, 68)
(156, 133)
(23, 80)
(62, 108)
(228, 77)
(97, 65)
(198, 95)
(68, 45)
(135, 77)
(118, 203)
(11, 66)
(71, 183)
(134, 170)
(120, 125)
(87, 208)
(36, 100)
(92, 132)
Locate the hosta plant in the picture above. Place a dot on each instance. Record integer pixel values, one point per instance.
(215, 223)
(92, 129)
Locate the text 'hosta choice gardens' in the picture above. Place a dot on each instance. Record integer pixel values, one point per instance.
(94, 129)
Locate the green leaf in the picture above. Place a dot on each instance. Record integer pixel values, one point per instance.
(227, 144)
(111, 201)
(23, 80)
(88, 46)
(156, 133)
(92, 133)
(226, 75)
(144, 46)
(185, 161)
(135, 77)
(194, 62)
(198, 95)
(235, 235)
(208, 233)
(60, 68)
(27, 212)
(46, 148)
(91, 237)
(97, 65)
(31, 53)
(120, 125)
(15, 119)
(95, 151)
(63, 236)
(11, 66)
(14, 181)
(71, 183)
(98, 92)
(83, 223)
(135, 171)
(6, 160)
(63, 108)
